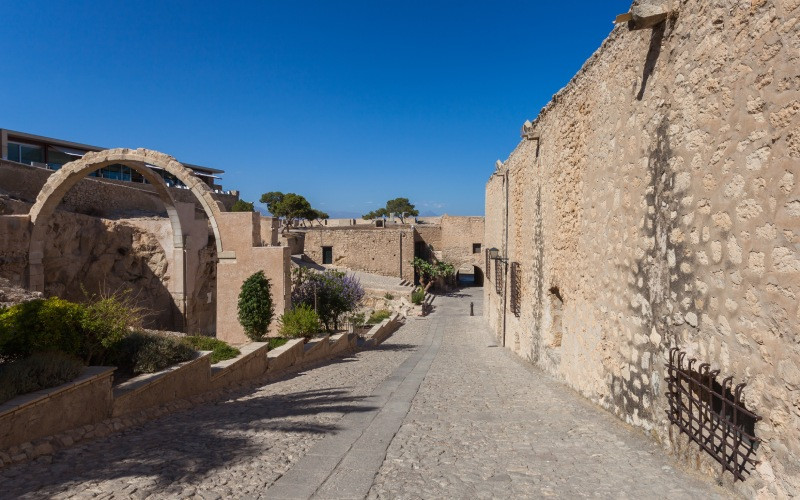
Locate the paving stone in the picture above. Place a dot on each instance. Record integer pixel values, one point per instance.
(466, 421)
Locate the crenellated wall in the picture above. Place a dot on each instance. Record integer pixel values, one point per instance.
(655, 203)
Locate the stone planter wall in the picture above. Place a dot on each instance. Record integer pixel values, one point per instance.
(39, 423)
(85, 400)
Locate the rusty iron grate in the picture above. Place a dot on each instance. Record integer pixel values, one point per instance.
(498, 277)
(514, 289)
(712, 414)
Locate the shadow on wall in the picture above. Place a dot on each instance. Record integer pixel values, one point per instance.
(656, 38)
(207, 438)
(89, 256)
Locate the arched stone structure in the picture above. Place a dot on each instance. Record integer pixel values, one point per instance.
(64, 179)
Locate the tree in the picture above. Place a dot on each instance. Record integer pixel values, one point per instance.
(255, 306)
(430, 271)
(399, 206)
(242, 206)
(331, 293)
(290, 207)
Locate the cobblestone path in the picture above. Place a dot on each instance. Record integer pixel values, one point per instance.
(434, 412)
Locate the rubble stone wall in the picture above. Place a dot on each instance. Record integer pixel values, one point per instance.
(458, 234)
(660, 207)
(93, 196)
(384, 251)
(89, 255)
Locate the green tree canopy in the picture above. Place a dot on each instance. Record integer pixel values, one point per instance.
(242, 206)
(399, 206)
(290, 206)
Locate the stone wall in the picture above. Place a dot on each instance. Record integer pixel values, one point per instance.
(660, 207)
(241, 234)
(87, 255)
(458, 234)
(93, 196)
(384, 251)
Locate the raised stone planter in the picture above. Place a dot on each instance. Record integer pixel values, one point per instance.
(85, 400)
(382, 330)
(250, 364)
(317, 350)
(341, 343)
(152, 389)
(281, 359)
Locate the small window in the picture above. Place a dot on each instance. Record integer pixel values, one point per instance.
(25, 153)
(476, 248)
(327, 255)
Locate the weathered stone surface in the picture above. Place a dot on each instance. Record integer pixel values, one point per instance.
(658, 203)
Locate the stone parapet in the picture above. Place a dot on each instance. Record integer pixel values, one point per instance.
(85, 400)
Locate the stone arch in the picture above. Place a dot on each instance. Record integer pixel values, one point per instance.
(71, 173)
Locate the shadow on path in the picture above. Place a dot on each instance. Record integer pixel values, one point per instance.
(187, 445)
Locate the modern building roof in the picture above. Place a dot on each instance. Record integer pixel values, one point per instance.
(77, 149)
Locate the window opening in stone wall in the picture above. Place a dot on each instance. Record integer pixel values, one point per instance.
(514, 289)
(476, 248)
(712, 414)
(498, 277)
(327, 255)
(556, 311)
(488, 266)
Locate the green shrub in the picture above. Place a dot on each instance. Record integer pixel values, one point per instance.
(417, 296)
(378, 316)
(302, 321)
(106, 320)
(141, 352)
(388, 296)
(41, 325)
(255, 306)
(220, 351)
(357, 319)
(39, 371)
(276, 342)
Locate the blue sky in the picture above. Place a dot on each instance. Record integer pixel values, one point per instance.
(349, 103)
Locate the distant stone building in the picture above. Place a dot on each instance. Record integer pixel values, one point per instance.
(388, 248)
(654, 204)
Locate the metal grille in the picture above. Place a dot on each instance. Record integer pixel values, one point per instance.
(498, 277)
(514, 289)
(712, 414)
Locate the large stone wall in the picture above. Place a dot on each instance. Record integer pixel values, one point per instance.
(660, 207)
(93, 196)
(87, 255)
(458, 234)
(385, 251)
(241, 233)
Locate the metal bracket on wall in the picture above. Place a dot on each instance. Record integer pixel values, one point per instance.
(712, 414)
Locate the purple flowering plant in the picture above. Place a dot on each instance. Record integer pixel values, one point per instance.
(331, 293)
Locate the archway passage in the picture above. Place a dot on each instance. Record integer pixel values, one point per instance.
(139, 160)
(469, 276)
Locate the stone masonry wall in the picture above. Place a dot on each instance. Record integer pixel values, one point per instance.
(661, 207)
(94, 255)
(384, 251)
(458, 235)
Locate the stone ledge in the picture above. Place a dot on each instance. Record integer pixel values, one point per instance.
(85, 400)
(172, 383)
(250, 364)
(31, 399)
